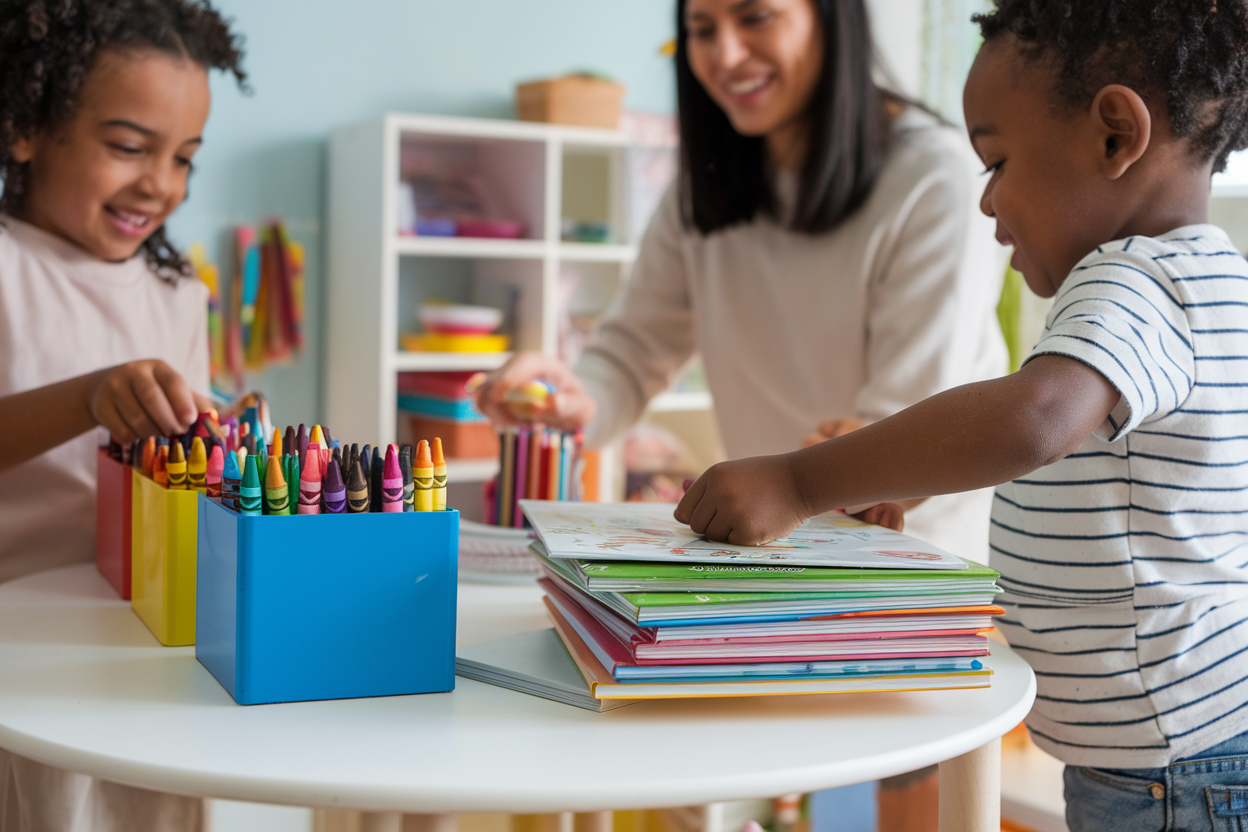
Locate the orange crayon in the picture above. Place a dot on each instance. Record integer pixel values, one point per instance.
(160, 467)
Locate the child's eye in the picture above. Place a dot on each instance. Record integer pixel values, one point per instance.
(126, 148)
(702, 33)
(758, 19)
(994, 167)
(184, 162)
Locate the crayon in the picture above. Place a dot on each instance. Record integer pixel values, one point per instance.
(292, 476)
(249, 442)
(422, 471)
(357, 490)
(336, 456)
(366, 459)
(317, 436)
(275, 447)
(310, 485)
(276, 492)
(554, 462)
(409, 483)
(301, 440)
(213, 474)
(148, 455)
(197, 466)
(376, 476)
(391, 482)
(176, 467)
(249, 490)
(288, 440)
(439, 475)
(334, 495)
(231, 479)
(262, 447)
(349, 462)
(160, 466)
(241, 453)
(330, 441)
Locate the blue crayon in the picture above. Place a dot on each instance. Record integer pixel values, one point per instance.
(250, 492)
(231, 479)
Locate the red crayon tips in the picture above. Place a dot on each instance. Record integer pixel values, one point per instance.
(216, 468)
(310, 484)
(392, 482)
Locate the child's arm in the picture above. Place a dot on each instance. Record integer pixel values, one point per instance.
(142, 398)
(969, 437)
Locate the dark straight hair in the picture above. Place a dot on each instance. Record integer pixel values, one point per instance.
(724, 176)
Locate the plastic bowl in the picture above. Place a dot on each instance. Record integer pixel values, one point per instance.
(460, 319)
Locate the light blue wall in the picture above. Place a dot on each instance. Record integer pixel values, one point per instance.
(316, 64)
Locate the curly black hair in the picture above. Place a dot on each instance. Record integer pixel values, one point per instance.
(1190, 54)
(47, 48)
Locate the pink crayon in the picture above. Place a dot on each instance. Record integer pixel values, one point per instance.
(216, 468)
(310, 484)
(392, 482)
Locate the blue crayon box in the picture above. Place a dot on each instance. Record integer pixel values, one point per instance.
(294, 608)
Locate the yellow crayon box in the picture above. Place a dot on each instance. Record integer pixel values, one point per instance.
(162, 547)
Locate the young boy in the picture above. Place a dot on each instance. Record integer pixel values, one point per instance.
(1121, 531)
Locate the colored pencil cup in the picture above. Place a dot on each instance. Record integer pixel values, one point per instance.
(162, 573)
(113, 522)
(327, 607)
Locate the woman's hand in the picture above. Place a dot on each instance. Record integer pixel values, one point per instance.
(833, 428)
(747, 502)
(144, 398)
(568, 408)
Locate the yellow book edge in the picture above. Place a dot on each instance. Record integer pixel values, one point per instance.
(602, 684)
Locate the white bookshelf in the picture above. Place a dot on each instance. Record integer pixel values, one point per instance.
(536, 173)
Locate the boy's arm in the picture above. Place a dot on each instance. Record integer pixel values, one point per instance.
(966, 438)
(142, 398)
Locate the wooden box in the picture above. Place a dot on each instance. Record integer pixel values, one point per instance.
(583, 100)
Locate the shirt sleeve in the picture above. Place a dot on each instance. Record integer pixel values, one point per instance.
(931, 312)
(647, 336)
(1122, 316)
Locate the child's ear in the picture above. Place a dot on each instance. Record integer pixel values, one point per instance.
(1123, 126)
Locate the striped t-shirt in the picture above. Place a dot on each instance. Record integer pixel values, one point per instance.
(1125, 564)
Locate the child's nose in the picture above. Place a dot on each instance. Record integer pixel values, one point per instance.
(985, 201)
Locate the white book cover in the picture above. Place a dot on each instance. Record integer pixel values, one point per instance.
(648, 531)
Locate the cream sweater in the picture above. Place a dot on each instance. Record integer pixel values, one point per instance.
(895, 304)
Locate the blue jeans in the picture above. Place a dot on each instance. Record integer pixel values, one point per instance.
(1207, 792)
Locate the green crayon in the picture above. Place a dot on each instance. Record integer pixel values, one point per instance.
(250, 494)
(294, 473)
(276, 492)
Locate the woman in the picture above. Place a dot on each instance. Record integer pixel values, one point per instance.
(822, 250)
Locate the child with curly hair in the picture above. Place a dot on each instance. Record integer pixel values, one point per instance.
(102, 106)
(1120, 449)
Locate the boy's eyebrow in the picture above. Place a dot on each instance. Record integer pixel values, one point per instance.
(138, 128)
(982, 130)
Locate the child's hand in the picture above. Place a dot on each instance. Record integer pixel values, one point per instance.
(568, 408)
(747, 502)
(144, 398)
(889, 515)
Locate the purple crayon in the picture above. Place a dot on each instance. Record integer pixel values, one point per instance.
(310, 485)
(301, 440)
(334, 494)
(392, 482)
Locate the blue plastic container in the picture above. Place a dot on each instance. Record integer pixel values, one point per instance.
(295, 608)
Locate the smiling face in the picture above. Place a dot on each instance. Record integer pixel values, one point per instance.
(1045, 190)
(109, 177)
(759, 60)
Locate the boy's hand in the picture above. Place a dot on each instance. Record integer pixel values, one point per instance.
(832, 428)
(143, 398)
(569, 408)
(889, 515)
(747, 502)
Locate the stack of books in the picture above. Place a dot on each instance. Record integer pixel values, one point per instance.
(440, 404)
(648, 609)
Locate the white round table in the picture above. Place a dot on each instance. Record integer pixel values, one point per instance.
(85, 686)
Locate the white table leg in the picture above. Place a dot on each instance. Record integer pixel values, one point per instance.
(429, 823)
(588, 822)
(970, 791)
(380, 822)
(713, 817)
